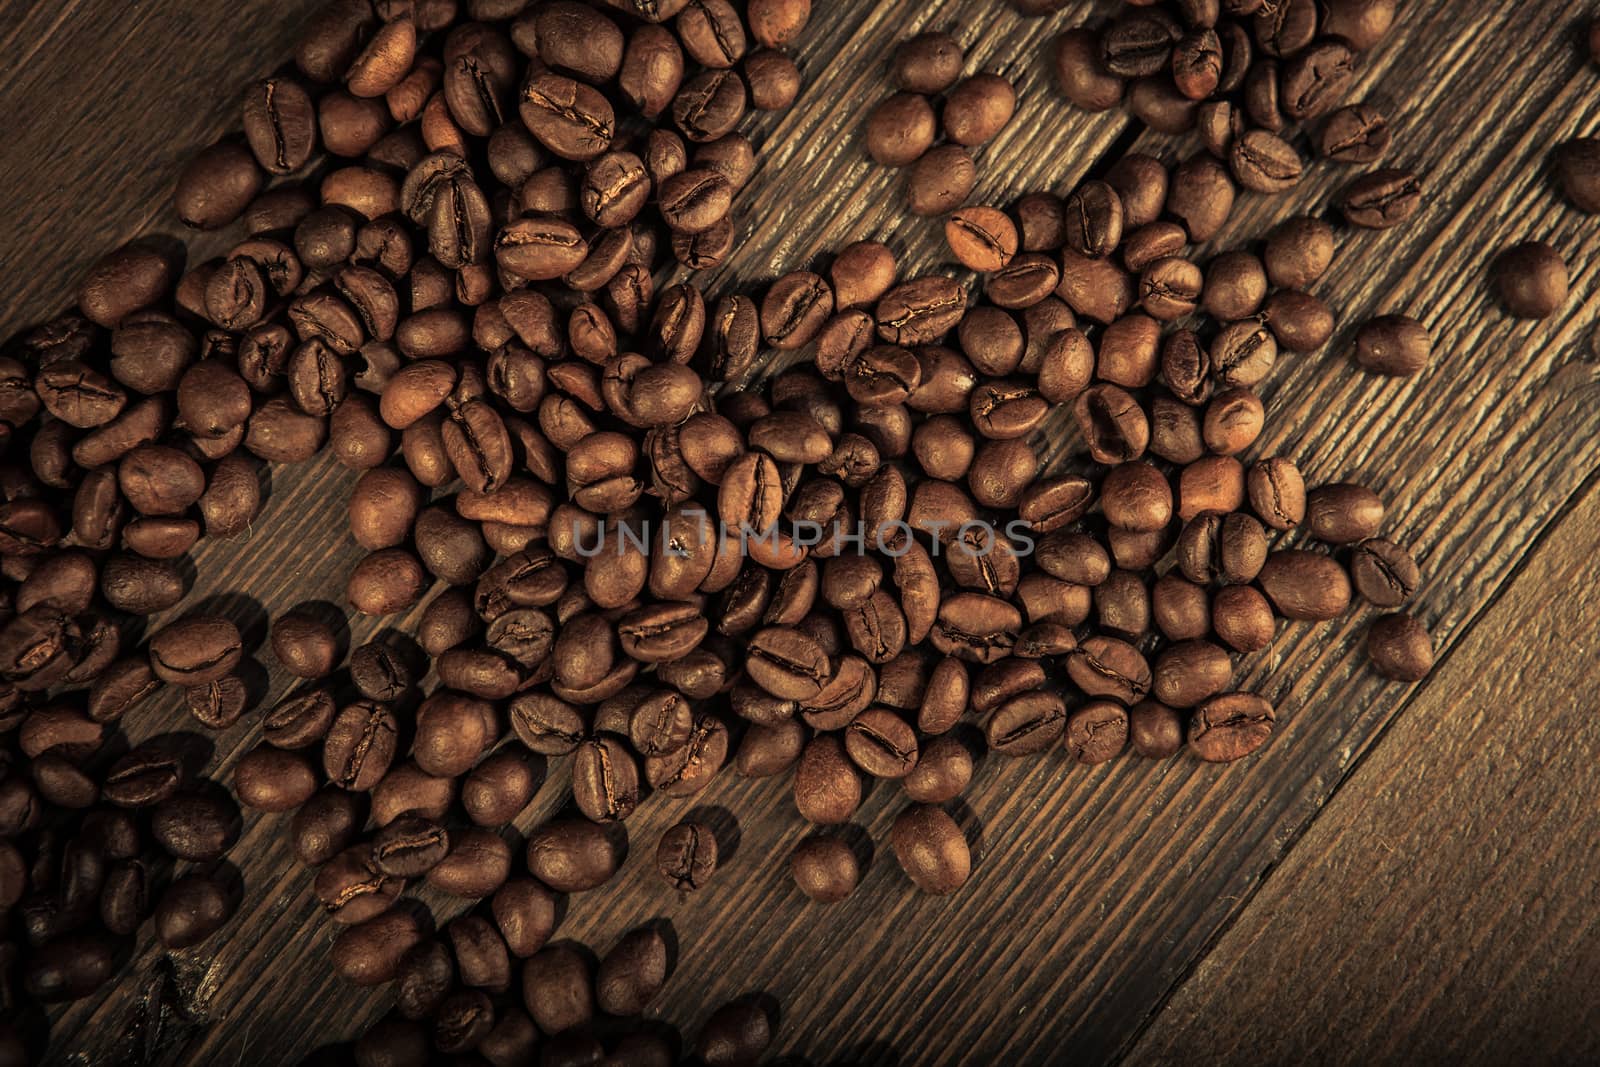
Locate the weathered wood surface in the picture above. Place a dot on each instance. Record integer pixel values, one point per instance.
(1096, 892)
(1438, 911)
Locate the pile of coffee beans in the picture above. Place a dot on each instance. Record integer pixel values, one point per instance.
(935, 101)
(629, 546)
(430, 178)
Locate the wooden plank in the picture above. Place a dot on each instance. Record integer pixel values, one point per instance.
(1095, 890)
(1441, 909)
(108, 100)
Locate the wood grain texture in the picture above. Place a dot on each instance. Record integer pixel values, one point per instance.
(1438, 910)
(1095, 890)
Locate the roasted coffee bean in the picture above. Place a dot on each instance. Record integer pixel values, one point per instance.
(1108, 667)
(1230, 727)
(1577, 167)
(900, 129)
(1400, 648)
(326, 825)
(931, 849)
(369, 953)
(359, 746)
(478, 864)
(1395, 345)
(1384, 572)
(1155, 730)
(572, 855)
(192, 909)
(198, 827)
(1264, 162)
(632, 973)
(686, 856)
(927, 63)
(981, 238)
(1343, 513)
(196, 650)
(409, 847)
(605, 780)
(825, 869)
(1531, 280)
(1299, 321)
(271, 779)
(1382, 199)
(1305, 585)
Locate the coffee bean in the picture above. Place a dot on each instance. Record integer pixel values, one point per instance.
(1080, 71)
(1155, 730)
(1354, 134)
(359, 745)
(927, 63)
(1384, 572)
(1400, 648)
(192, 909)
(978, 109)
(632, 973)
(605, 780)
(1395, 345)
(901, 129)
(1531, 280)
(1382, 199)
(1343, 513)
(1264, 162)
(557, 990)
(686, 856)
(1305, 585)
(1577, 166)
(198, 827)
(572, 855)
(270, 779)
(981, 238)
(931, 849)
(369, 953)
(1230, 727)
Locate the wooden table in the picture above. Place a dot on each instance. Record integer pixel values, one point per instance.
(1403, 874)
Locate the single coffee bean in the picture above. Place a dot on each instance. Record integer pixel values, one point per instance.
(359, 746)
(1531, 280)
(1400, 648)
(1108, 667)
(901, 129)
(572, 855)
(369, 953)
(409, 847)
(605, 780)
(632, 973)
(192, 909)
(478, 864)
(1384, 572)
(272, 779)
(1230, 727)
(981, 238)
(736, 1033)
(978, 109)
(1155, 730)
(931, 849)
(1298, 252)
(1577, 166)
(326, 825)
(927, 63)
(1080, 71)
(1305, 585)
(825, 869)
(1354, 134)
(1382, 199)
(196, 650)
(198, 827)
(1264, 162)
(1395, 345)
(1343, 513)
(557, 989)
(1096, 732)
(686, 856)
